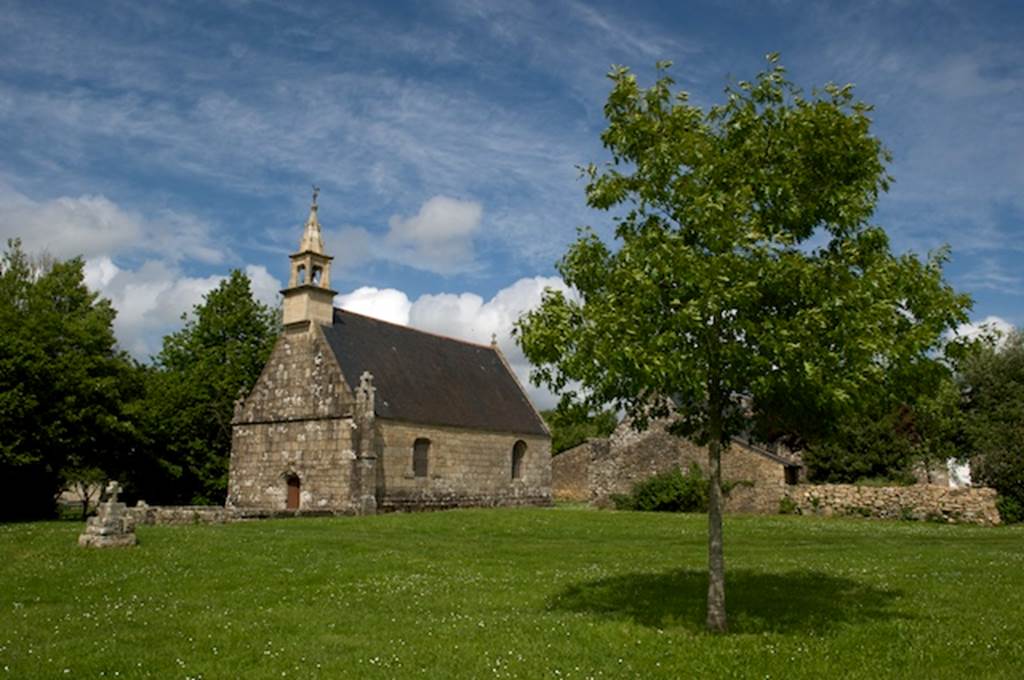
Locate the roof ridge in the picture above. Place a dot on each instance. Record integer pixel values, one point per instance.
(417, 330)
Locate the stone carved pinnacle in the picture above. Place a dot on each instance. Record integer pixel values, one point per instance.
(366, 385)
(366, 394)
(311, 237)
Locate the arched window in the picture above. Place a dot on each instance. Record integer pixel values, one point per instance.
(294, 489)
(300, 274)
(518, 453)
(317, 276)
(420, 454)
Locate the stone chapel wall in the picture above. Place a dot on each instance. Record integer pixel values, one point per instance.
(318, 452)
(465, 468)
(297, 421)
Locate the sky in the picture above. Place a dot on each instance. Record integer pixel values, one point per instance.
(169, 143)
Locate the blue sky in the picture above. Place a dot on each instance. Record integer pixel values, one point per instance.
(170, 142)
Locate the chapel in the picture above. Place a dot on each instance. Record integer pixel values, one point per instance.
(355, 415)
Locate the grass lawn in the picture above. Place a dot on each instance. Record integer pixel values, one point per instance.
(533, 593)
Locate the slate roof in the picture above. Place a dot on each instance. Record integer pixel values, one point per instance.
(431, 379)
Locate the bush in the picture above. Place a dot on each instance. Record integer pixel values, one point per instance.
(1011, 510)
(670, 491)
(787, 506)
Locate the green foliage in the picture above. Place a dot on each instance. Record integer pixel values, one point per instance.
(710, 293)
(571, 427)
(63, 383)
(787, 506)
(912, 420)
(670, 491)
(1011, 510)
(190, 394)
(862, 449)
(714, 293)
(993, 382)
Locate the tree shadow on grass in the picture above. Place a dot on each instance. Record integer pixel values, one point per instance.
(755, 602)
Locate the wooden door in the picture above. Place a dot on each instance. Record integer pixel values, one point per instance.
(293, 493)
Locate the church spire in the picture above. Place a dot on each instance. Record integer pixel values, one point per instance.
(308, 297)
(312, 241)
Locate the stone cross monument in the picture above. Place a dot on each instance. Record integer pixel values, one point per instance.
(112, 527)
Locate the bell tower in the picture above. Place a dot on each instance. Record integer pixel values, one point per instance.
(308, 297)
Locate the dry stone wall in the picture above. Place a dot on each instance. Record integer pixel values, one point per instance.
(208, 514)
(464, 468)
(597, 469)
(976, 505)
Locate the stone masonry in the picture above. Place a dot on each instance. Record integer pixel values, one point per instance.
(297, 422)
(112, 527)
(352, 415)
(597, 469)
(465, 468)
(975, 505)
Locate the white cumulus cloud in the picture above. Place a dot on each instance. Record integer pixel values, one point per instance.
(438, 238)
(149, 300)
(386, 304)
(67, 226)
(93, 226)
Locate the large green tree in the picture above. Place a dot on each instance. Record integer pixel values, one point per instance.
(63, 383)
(745, 272)
(190, 394)
(993, 387)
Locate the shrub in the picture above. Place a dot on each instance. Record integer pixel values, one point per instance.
(670, 491)
(1011, 510)
(787, 506)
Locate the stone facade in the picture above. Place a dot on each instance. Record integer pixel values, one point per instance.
(353, 415)
(303, 423)
(595, 470)
(464, 468)
(599, 468)
(298, 422)
(976, 505)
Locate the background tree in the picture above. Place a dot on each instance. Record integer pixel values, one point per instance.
(716, 292)
(572, 427)
(63, 383)
(190, 394)
(911, 424)
(993, 384)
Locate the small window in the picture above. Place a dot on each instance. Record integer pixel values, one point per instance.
(420, 454)
(300, 275)
(792, 474)
(318, 274)
(518, 453)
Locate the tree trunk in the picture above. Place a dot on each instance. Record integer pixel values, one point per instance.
(716, 558)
